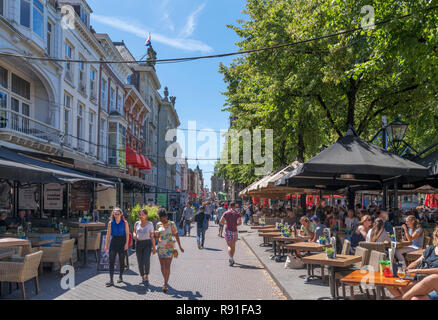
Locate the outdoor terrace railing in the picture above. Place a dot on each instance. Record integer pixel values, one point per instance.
(16, 122)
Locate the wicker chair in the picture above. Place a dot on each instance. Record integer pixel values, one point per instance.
(93, 243)
(20, 271)
(346, 247)
(58, 254)
(362, 252)
(376, 246)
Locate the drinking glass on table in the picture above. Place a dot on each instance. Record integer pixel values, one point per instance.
(401, 273)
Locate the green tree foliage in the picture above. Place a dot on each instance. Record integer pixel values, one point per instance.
(311, 92)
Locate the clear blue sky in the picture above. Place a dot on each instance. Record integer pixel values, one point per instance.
(179, 29)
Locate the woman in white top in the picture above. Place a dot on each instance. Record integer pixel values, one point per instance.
(144, 235)
(412, 232)
(378, 233)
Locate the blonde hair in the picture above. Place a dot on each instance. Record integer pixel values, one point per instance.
(364, 218)
(414, 220)
(121, 214)
(304, 218)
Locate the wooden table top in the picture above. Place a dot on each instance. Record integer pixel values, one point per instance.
(268, 230)
(268, 226)
(39, 242)
(90, 224)
(11, 242)
(270, 234)
(373, 277)
(341, 260)
(414, 255)
(6, 254)
(291, 238)
(307, 246)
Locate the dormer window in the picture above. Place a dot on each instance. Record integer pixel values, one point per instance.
(84, 16)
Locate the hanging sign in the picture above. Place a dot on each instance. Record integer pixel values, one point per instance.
(53, 196)
(26, 199)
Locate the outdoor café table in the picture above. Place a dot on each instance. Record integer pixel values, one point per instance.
(309, 247)
(284, 240)
(36, 242)
(86, 226)
(374, 278)
(268, 226)
(268, 234)
(414, 255)
(341, 261)
(13, 242)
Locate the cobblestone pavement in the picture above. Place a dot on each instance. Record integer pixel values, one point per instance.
(195, 275)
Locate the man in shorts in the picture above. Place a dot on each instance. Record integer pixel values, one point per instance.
(232, 220)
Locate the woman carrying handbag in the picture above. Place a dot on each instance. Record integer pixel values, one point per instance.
(166, 232)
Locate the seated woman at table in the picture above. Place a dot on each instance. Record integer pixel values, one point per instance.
(361, 232)
(427, 264)
(412, 232)
(378, 232)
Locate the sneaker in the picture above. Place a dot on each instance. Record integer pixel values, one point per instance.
(109, 284)
(231, 262)
(120, 280)
(199, 245)
(146, 283)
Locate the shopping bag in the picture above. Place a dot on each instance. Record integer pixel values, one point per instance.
(293, 262)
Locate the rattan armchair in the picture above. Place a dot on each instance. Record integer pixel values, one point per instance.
(93, 243)
(58, 254)
(21, 271)
(376, 246)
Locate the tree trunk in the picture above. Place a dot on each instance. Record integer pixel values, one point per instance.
(301, 148)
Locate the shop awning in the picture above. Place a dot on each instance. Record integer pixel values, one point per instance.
(137, 160)
(28, 169)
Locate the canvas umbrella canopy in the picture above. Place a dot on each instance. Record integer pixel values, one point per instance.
(355, 163)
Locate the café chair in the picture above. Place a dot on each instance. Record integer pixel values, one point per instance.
(21, 270)
(58, 255)
(376, 246)
(93, 243)
(346, 247)
(362, 252)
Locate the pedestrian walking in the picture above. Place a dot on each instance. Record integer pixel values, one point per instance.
(200, 219)
(144, 235)
(219, 212)
(166, 232)
(118, 230)
(232, 220)
(186, 218)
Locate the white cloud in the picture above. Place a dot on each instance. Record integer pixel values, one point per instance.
(189, 28)
(140, 31)
(168, 21)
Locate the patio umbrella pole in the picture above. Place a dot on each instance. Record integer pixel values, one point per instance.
(395, 209)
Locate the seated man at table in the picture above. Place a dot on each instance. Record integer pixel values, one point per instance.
(21, 219)
(319, 228)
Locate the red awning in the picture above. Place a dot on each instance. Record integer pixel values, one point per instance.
(137, 160)
(132, 157)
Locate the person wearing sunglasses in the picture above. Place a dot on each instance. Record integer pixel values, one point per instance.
(118, 230)
(361, 232)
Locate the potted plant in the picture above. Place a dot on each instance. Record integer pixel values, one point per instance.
(330, 253)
